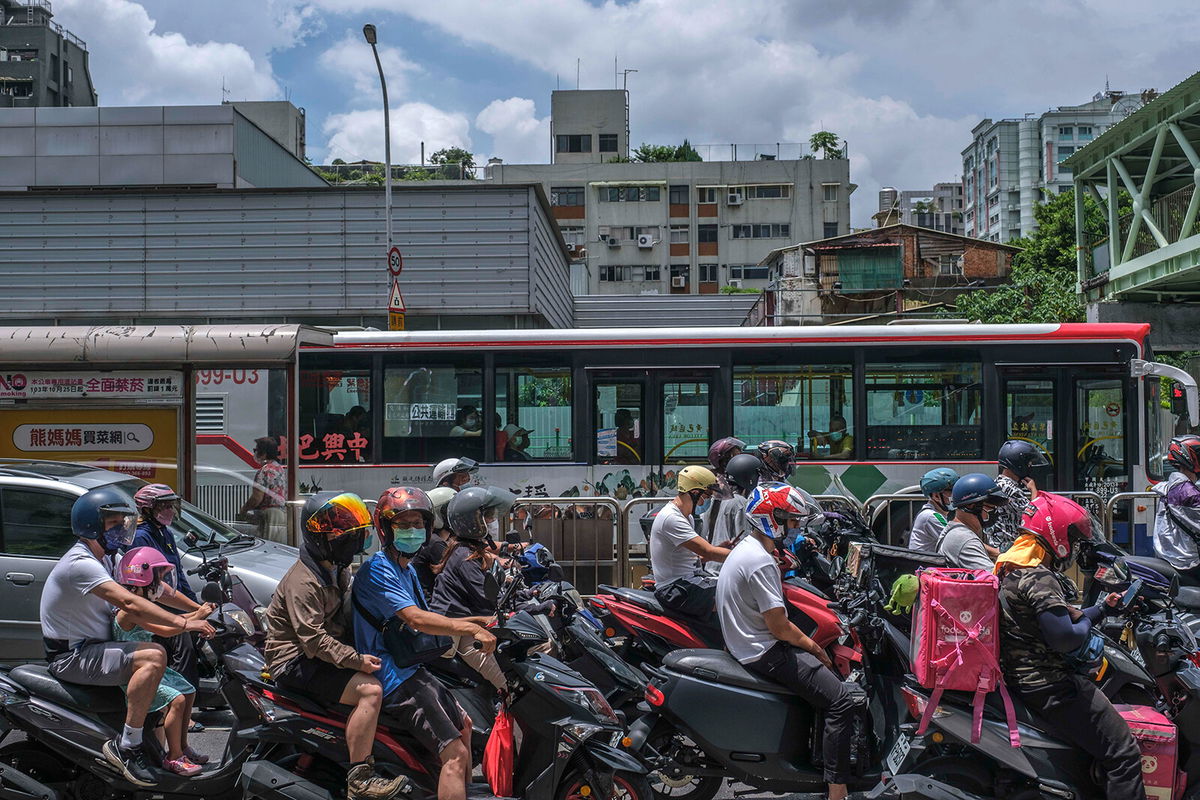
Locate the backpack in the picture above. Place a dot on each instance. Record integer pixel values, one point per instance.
(956, 641)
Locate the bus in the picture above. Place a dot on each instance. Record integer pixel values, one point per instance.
(617, 412)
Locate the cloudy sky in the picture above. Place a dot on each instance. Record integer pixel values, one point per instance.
(902, 80)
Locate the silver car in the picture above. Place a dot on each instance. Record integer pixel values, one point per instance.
(35, 530)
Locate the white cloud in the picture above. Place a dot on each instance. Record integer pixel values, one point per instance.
(518, 136)
(350, 57)
(357, 135)
(134, 64)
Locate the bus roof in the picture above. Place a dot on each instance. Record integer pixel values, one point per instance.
(747, 337)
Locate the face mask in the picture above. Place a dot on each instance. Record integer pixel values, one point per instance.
(704, 507)
(343, 549)
(408, 540)
(157, 591)
(836, 436)
(471, 423)
(115, 538)
(493, 529)
(164, 516)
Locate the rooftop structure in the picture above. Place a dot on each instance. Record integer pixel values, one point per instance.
(41, 63)
(939, 208)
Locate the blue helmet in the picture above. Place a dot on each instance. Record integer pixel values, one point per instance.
(87, 517)
(974, 489)
(1021, 457)
(938, 480)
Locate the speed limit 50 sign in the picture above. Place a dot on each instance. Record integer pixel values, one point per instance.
(395, 262)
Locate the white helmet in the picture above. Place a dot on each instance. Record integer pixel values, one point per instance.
(451, 466)
(440, 498)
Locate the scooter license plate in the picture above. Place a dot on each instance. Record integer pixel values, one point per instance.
(899, 753)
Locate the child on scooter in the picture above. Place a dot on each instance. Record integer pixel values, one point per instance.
(141, 571)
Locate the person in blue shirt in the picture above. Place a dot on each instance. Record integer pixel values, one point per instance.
(386, 585)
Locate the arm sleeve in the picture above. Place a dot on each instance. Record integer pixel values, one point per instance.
(974, 556)
(678, 530)
(924, 532)
(1060, 632)
(390, 594)
(306, 611)
(764, 589)
(87, 575)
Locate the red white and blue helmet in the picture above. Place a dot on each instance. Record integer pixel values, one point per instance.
(771, 506)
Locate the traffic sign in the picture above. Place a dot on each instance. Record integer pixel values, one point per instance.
(396, 300)
(395, 321)
(395, 262)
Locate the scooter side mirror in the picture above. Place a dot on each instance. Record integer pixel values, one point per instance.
(211, 593)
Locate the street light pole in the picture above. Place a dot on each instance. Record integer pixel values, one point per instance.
(369, 33)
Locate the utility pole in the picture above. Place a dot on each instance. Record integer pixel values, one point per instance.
(394, 262)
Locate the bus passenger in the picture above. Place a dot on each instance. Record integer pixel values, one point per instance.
(516, 443)
(467, 422)
(973, 498)
(1177, 517)
(840, 443)
(629, 444)
(266, 502)
(676, 550)
(930, 521)
(1017, 459)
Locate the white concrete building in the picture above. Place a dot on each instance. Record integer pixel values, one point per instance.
(939, 208)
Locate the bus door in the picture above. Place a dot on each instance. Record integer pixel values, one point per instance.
(652, 416)
(1035, 410)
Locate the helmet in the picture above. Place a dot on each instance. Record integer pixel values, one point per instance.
(394, 502)
(466, 511)
(438, 498)
(152, 493)
(742, 471)
(777, 457)
(770, 507)
(938, 480)
(724, 449)
(1184, 452)
(1021, 457)
(975, 489)
(453, 466)
(1060, 523)
(335, 526)
(138, 566)
(696, 477)
(87, 517)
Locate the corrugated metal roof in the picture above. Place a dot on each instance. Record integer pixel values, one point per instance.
(662, 310)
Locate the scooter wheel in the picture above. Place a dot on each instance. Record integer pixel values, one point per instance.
(682, 786)
(626, 786)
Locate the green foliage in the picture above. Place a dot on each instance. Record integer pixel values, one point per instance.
(739, 290)
(418, 174)
(337, 161)
(827, 143)
(660, 153)
(453, 155)
(544, 392)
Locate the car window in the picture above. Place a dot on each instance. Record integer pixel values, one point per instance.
(35, 523)
(191, 520)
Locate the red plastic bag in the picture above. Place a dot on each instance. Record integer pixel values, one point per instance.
(498, 755)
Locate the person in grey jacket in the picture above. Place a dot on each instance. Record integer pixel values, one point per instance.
(962, 541)
(931, 520)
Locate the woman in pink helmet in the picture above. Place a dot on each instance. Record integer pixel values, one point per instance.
(143, 571)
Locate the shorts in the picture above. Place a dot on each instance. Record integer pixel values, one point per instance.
(426, 709)
(315, 678)
(97, 664)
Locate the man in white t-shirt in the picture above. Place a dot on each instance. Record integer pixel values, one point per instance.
(77, 609)
(760, 636)
(676, 550)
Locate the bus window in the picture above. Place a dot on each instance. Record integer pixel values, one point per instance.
(335, 416)
(1029, 416)
(685, 422)
(534, 405)
(811, 407)
(1100, 443)
(923, 411)
(618, 420)
(432, 411)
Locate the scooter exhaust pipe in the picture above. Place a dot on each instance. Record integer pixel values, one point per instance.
(263, 780)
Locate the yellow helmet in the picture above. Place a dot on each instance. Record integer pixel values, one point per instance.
(696, 477)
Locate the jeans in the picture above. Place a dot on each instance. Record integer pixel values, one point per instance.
(818, 686)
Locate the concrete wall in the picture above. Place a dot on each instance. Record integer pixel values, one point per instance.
(280, 120)
(592, 112)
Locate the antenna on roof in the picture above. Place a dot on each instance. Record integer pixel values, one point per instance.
(224, 91)
(577, 74)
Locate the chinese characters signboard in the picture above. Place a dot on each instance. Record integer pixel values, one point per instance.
(91, 385)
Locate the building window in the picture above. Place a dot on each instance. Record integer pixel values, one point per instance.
(1064, 188)
(70, 75)
(789, 403)
(706, 233)
(646, 230)
(950, 265)
(778, 191)
(534, 405)
(706, 194)
(1063, 152)
(630, 194)
(764, 231)
(572, 235)
(1066, 134)
(994, 219)
(678, 195)
(829, 230)
(993, 201)
(1083, 133)
(611, 273)
(748, 272)
(679, 234)
(608, 143)
(709, 273)
(574, 143)
(830, 191)
(566, 195)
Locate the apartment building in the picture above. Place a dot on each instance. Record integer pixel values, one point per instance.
(1012, 164)
(939, 208)
(41, 63)
(679, 227)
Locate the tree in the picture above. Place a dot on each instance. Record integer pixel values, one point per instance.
(660, 153)
(827, 143)
(685, 152)
(455, 155)
(337, 161)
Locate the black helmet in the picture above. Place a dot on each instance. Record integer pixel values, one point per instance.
(465, 513)
(87, 517)
(743, 470)
(335, 526)
(1021, 457)
(777, 457)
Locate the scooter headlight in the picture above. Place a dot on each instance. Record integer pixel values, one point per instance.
(236, 618)
(260, 616)
(591, 699)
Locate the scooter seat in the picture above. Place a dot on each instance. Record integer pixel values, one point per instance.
(639, 597)
(1188, 597)
(718, 666)
(1163, 568)
(37, 680)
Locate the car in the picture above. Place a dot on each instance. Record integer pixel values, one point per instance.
(35, 530)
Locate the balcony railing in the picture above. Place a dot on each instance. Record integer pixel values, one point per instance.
(1167, 212)
(40, 21)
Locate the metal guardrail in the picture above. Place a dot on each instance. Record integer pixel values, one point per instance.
(627, 573)
(586, 546)
(1110, 506)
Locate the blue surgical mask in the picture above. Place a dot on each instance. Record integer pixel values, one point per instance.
(408, 540)
(704, 507)
(837, 436)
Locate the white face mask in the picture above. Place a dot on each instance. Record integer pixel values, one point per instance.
(493, 529)
(157, 591)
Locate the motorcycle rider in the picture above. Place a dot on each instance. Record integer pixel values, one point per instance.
(719, 456)
(465, 573)
(306, 649)
(727, 519)
(972, 499)
(1177, 517)
(454, 472)
(760, 636)
(1039, 628)
(430, 554)
(676, 550)
(1017, 458)
(387, 585)
(76, 612)
(778, 458)
(931, 520)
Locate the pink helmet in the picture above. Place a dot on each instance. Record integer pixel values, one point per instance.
(138, 565)
(1060, 522)
(152, 493)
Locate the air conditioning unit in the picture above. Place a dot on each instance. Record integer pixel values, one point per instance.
(736, 283)
(678, 281)
(735, 199)
(645, 240)
(612, 241)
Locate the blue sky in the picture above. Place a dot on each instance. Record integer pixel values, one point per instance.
(903, 82)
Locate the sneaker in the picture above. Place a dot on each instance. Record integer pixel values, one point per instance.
(182, 766)
(362, 783)
(194, 757)
(132, 764)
